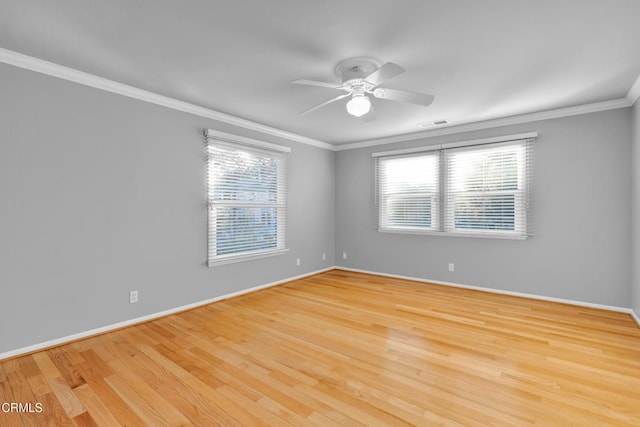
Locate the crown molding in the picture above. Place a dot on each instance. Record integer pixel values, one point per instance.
(55, 70)
(634, 92)
(487, 124)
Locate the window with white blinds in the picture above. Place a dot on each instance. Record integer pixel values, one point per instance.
(247, 198)
(478, 188)
(487, 189)
(409, 192)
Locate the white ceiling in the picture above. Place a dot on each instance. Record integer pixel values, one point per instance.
(481, 59)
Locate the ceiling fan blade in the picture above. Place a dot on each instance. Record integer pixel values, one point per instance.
(337, 98)
(403, 96)
(316, 83)
(384, 73)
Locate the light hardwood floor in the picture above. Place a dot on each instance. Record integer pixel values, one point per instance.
(343, 348)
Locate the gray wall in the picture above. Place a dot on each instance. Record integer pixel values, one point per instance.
(581, 250)
(101, 194)
(635, 197)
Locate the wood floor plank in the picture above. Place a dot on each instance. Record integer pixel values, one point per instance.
(61, 358)
(46, 365)
(39, 385)
(124, 413)
(70, 403)
(147, 403)
(197, 401)
(10, 419)
(53, 412)
(343, 348)
(101, 414)
(22, 394)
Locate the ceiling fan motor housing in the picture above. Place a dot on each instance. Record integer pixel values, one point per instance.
(353, 71)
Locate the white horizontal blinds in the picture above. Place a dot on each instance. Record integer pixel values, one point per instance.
(247, 200)
(474, 188)
(487, 188)
(408, 192)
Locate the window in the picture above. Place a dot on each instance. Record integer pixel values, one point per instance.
(247, 198)
(478, 188)
(409, 192)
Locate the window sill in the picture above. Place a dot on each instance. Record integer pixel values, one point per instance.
(230, 259)
(504, 236)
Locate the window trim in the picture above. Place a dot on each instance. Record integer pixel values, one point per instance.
(230, 140)
(458, 144)
(503, 236)
(444, 225)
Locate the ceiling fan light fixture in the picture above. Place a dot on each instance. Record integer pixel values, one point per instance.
(359, 105)
(362, 77)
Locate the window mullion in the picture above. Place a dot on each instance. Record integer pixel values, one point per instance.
(442, 226)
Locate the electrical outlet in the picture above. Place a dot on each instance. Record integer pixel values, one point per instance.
(344, 255)
(298, 262)
(133, 297)
(451, 266)
(324, 257)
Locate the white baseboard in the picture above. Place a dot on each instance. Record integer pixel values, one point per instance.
(119, 325)
(74, 337)
(635, 317)
(500, 291)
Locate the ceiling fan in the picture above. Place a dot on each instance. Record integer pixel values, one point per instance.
(361, 77)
